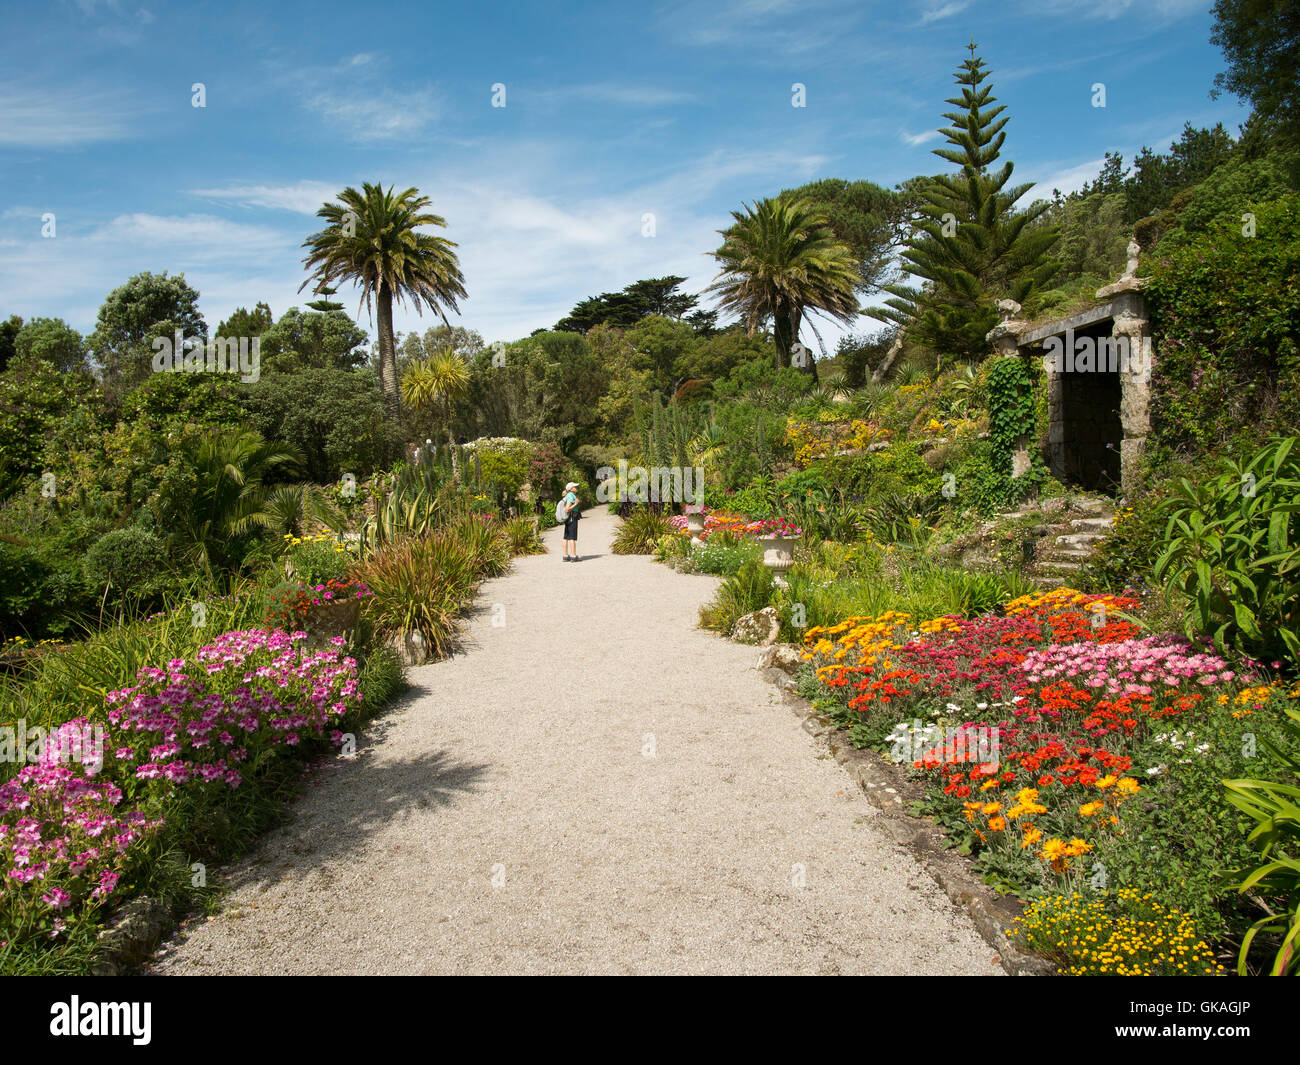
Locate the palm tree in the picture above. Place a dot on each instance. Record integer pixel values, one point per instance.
(230, 498)
(780, 259)
(372, 241)
(436, 384)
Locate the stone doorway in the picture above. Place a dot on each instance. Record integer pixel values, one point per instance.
(1089, 413)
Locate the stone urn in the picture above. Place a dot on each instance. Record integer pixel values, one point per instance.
(335, 617)
(695, 526)
(778, 552)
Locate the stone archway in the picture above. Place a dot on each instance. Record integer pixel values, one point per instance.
(1098, 366)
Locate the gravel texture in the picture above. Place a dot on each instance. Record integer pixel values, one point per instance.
(594, 785)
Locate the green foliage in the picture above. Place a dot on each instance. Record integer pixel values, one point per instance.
(423, 583)
(521, 535)
(1275, 809)
(1225, 196)
(130, 562)
(245, 323)
(1260, 41)
(780, 259)
(1226, 312)
(971, 244)
(723, 555)
(641, 299)
(1234, 551)
(214, 512)
(749, 590)
(868, 219)
(51, 340)
(380, 242)
(548, 388)
(1011, 410)
(410, 501)
(310, 341)
(640, 531)
(34, 398)
(133, 314)
(335, 418)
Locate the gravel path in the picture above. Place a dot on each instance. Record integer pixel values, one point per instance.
(594, 786)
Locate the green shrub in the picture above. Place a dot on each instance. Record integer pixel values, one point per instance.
(1275, 809)
(640, 531)
(130, 562)
(723, 555)
(420, 584)
(522, 537)
(749, 590)
(1226, 313)
(1234, 551)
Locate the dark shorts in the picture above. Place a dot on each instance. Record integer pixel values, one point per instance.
(571, 529)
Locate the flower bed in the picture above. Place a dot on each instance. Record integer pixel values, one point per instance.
(1055, 742)
(72, 827)
(719, 521)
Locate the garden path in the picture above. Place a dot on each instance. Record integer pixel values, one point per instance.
(593, 786)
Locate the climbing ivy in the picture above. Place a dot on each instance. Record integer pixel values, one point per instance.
(1011, 410)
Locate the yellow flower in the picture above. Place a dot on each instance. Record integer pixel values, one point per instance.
(1090, 808)
(1109, 780)
(1128, 786)
(1053, 849)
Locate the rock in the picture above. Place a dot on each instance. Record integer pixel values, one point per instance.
(761, 627)
(782, 656)
(410, 648)
(132, 936)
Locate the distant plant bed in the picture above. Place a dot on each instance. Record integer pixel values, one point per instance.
(1081, 763)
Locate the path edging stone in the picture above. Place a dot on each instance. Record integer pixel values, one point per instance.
(887, 789)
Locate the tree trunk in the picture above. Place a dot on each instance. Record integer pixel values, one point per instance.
(878, 374)
(388, 354)
(451, 444)
(783, 337)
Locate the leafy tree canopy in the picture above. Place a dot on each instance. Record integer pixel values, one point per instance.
(52, 340)
(145, 307)
(1261, 43)
(246, 323)
(303, 340)
(657, 296)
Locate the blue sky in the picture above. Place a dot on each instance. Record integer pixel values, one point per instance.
(613, 110)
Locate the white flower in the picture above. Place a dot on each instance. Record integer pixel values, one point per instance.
(1156, 770)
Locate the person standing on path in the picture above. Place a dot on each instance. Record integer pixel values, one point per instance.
(571, 522)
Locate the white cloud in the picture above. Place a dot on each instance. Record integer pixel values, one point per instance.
(914, 140)
(1069, 179)
(62, 117)
(613, 93)
(1165, 10)
(304, 197)
(935, 14)
(386, 114)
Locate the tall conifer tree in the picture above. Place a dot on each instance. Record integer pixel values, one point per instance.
(971, 247)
